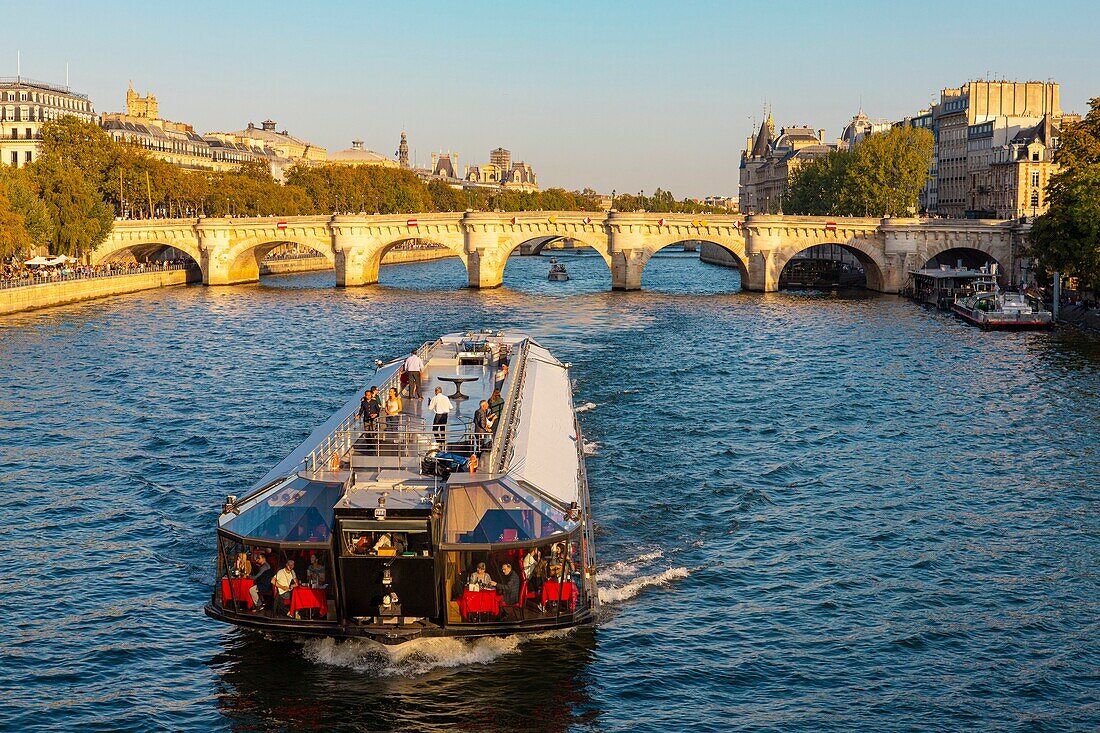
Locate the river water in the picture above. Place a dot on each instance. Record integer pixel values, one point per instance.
(815, 513)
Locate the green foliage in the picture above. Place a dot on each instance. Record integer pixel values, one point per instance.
(360, 189)
(882, 176)
(661, 201)
(14, 239)
(24, 200)
(81, 217)
(1067, 237)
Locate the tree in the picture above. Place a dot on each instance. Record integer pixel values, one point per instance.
(882, 176)
(1067, 237)
(81, 217)
(24, 200)
(14, 239)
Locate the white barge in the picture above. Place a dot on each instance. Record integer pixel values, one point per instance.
(389, 529)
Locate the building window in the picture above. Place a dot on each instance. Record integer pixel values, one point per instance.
(14, 159)
(27, 157)
(1035, 178)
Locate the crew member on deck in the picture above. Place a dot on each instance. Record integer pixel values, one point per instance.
(441, 405)
(414, 365)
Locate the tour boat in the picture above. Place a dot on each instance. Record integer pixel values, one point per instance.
(996, 310)
(558, 273)
(388, 522)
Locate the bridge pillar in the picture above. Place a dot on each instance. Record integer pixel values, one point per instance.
(357, 259)
(217, 267)
(762, 277)
(626, 268)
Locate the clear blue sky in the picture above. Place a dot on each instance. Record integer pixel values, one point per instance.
(629, 96)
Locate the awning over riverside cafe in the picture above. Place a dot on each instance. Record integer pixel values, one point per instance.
(42, 261)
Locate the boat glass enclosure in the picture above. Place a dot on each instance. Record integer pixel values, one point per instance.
(501, 510)
(296, 511)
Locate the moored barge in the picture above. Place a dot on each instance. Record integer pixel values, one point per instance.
(393, 528)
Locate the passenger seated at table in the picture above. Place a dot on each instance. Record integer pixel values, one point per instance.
(242, 568)
(315, 573)
(509, 587)
(262, 572)
(534, 570)
(284, 583)
(481, 578)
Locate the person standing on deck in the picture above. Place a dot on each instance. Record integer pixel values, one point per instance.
(369, 410)
(500, 376)
(414, 365)
(441, 405)
(483, 427)
(496, 406)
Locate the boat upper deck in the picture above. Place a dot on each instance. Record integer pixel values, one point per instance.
(534, 437)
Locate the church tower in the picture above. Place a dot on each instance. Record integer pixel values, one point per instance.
(403, 151)
(139, 106)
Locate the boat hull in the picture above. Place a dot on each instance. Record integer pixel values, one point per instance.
(983, 321)
(391, 635)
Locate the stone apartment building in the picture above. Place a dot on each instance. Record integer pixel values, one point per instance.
(25, 105)
(973, 124)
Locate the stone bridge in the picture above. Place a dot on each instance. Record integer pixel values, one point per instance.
(229, 250)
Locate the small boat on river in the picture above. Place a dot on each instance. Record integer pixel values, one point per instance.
(393, 529)
(558, 273)
(994, 310)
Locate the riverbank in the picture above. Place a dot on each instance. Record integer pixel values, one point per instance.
(1086, 318)
(46, 295)
(312, 264)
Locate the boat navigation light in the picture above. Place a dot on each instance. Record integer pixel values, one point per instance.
(387, 576)
(378, 363)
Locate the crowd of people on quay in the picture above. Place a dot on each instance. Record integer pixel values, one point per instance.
(16, 274)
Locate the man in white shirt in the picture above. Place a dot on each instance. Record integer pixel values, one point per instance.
(283, 584)
(414, 365)
(441, 405)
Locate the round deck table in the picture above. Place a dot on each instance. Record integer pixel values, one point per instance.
(457, 380)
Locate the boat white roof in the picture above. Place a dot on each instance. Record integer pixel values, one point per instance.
(545, 452)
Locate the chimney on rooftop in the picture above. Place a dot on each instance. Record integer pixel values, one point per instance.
(821, 134)
(269, 125)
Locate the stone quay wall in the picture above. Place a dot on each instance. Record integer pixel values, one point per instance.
(310, 264)
(715, 255)
(46, 295)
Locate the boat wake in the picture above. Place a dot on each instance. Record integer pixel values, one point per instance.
(591, 447)
(625, 579)
(416, 657)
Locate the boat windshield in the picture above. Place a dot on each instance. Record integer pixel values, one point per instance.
(501, 510)
(294, 511)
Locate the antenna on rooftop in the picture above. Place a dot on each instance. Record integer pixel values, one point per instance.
(18, 64)
(66, 75)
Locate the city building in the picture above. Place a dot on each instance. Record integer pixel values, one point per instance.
(769, 160)
(1020, 170)
(403, 152)
(972, 120)
(281, 149)
(25, 105)
(358, 155)
(860, 127)
(176, 143)
(497, 175)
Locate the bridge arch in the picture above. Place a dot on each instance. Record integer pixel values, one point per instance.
(360, 263)
(241, 261)
(866, 251)
(114, 250)
(973, 255)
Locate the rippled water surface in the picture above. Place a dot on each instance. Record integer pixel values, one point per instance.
(815, 513)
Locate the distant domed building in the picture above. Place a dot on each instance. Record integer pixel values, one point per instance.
(358, 155)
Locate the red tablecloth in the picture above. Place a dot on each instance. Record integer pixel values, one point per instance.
(302, 598)
(479, 601)
(236, 589)
(551, 590)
